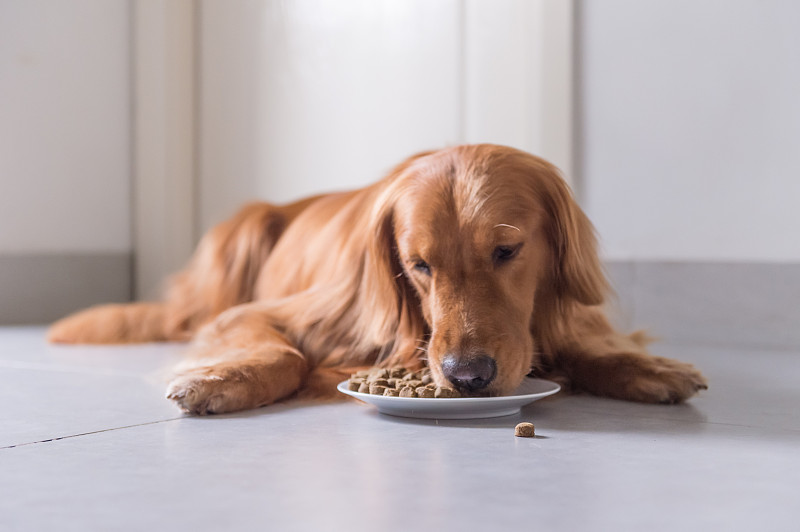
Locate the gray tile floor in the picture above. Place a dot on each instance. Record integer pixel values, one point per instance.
(88, 443)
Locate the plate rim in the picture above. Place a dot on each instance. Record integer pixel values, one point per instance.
(342, 387)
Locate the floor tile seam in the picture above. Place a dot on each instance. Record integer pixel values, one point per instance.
(90, 433)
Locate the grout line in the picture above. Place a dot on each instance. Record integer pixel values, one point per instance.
(89, 433)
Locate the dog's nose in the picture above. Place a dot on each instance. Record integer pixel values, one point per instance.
(471, 373)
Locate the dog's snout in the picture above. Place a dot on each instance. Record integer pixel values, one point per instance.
(471, 373)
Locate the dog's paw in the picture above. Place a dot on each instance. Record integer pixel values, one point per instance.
(201, 391)
(665, 381)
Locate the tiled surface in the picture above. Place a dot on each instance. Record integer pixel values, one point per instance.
(743, 304)
(728, 460)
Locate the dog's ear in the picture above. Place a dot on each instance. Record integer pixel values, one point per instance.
(387, 300)
(380, 293)
(577, 269)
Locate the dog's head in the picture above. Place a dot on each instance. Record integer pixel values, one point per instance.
(482, 241)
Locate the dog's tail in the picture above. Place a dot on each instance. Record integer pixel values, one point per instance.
(113, 324)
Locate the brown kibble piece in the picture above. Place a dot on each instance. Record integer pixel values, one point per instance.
(399, 382)
(408, 391)
(524, 430)
(446, 393)
(425, 392)
(381, 374)
(377, 389)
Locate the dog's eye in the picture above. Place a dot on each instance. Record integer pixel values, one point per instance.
(505, 253)
(422, 267)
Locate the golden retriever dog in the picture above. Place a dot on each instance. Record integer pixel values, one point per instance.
(475, 260)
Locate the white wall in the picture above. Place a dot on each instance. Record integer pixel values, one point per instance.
(305, 97)
(64, 126)
(691, 128)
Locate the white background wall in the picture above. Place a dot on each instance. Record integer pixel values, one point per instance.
(298, 98)
(246, 99)
(64, 126)
(691, 128)
(690, 116)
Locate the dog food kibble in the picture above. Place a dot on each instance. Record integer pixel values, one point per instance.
(425, 392)
(377, 389)
(407, 391)
(399, 382)
(396, 373)
(524, 430)
(446, 393)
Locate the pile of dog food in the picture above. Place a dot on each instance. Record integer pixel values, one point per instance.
(399, 382)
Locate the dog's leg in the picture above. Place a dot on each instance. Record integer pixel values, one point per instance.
(601, 361)
(240, 362)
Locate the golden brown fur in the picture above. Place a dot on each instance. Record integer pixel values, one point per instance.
(466, 251)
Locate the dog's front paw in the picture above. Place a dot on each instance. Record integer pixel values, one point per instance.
(202, 391)
(664, 380)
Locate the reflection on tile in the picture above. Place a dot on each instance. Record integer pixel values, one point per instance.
(336, 467)
(39, 405)
(727, 460)
(26, 348)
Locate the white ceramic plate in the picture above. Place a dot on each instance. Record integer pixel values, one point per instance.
(461, 408)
